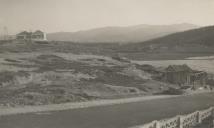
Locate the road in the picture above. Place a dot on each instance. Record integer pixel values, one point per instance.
(114, 116)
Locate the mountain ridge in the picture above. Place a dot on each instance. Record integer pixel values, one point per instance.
(191, 43)
(115, 34)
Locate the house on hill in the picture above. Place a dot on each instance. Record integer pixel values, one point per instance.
(34, 36)
(184, 75)
(39, 36)
(23, 35)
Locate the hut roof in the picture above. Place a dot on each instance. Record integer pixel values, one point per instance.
(38, 32)
(23, 33)
(30, 33)
(178, 68)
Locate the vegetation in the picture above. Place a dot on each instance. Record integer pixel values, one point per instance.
(196, 42)
(58, 78)
(57, 72)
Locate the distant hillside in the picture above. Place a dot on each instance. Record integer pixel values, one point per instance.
(194, 42)
(136, 33)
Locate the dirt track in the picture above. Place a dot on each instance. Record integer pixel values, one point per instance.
(66, 106)
(111, 116)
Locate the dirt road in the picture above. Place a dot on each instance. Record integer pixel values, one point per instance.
(111, 116)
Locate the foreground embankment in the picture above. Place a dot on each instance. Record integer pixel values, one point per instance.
(122, 115)
(76, 105)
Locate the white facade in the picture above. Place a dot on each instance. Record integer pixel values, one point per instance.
(34, 36)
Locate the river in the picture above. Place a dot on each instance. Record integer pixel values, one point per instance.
(201, 64)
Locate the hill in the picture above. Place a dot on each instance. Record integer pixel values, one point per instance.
(136, 33)
(36, 78)
(196, 42)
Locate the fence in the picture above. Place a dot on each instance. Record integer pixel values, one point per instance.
(181, 121)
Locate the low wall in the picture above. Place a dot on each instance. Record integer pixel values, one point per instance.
(181, 121)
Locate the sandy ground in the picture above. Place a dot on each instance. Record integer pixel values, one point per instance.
(111, 116)
(67, 106)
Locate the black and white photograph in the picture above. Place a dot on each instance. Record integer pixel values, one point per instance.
(106, 63)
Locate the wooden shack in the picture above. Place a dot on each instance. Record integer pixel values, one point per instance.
(178, 74)
(184, 75)
(198, 79)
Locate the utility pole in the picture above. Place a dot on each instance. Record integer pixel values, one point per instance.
(1, 34)
(5, 33)
(30, 31)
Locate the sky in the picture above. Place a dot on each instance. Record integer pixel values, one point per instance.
(75, 15)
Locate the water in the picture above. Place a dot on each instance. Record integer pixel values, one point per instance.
(206, 65)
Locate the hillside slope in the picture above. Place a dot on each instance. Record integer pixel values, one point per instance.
(120, 34)
(194, 42)
(36, 78)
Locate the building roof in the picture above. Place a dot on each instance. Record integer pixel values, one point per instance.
(30, 33)
(178, 68)
(38, 32)
(23, 33)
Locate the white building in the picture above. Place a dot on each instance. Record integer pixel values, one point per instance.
(34, 36)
